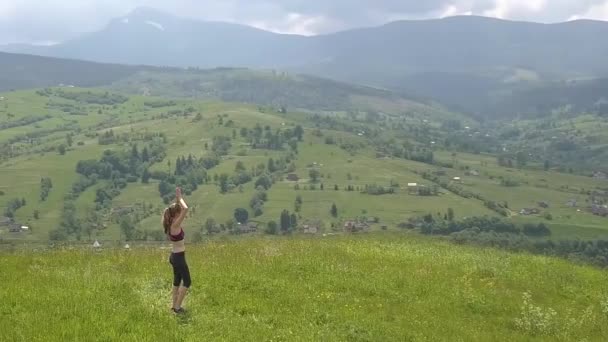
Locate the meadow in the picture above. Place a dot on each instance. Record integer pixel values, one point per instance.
(189, 127)
(368, 287)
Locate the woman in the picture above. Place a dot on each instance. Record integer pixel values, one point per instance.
(172, 222)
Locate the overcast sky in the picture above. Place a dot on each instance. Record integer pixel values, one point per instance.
(35, 21)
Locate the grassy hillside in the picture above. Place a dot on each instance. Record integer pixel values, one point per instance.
(267, 88)
(19, 71)
(507, 93)
(270, 88)
(369, 158)
(364, 288)
(31, 152)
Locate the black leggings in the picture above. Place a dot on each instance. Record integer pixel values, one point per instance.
(180, 269)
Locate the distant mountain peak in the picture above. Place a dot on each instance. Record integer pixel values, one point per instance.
(155, 24)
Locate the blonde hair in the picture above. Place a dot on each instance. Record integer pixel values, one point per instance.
(169, 215)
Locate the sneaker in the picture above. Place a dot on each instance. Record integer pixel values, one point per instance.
(178, 311)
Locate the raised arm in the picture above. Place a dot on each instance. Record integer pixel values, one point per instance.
(177, 222)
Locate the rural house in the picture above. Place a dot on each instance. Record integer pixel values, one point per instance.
(472, 173)
(600, 175)
(292, 177)
(543, 204)
(600, 210)
(14, 228)
(355, 226)
(412, 188)
(249, 227)
(529, 211)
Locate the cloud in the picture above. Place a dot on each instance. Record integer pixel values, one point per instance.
(597, 12)
(56, 20)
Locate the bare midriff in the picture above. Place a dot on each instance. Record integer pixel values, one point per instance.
(178, 246)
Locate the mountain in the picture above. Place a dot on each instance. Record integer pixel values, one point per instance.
(19, 71)
(468, 63)
(147, 36)
(262, 87)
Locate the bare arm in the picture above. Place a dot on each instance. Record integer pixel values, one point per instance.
(177, 223)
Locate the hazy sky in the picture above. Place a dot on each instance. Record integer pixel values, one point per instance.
(55, 20)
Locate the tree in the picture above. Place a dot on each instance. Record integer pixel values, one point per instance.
(298, 204)
(271, 228)
(285, 221)
(271, 166)
(61, 149)
(223, 180)
(314, 175)
(127, 228)
(68, 139)
(336, 187)
(521, 159)
(241, 215)
(293, 219)
(134, 152)
(298, 132)
(145, 177)
(547, 165)
(240, 166)
(334, 210)
(450, 214)
(57, 235)
(210, 226)
(145, 155)
(263, 181)
(36, 214)
(231, 227)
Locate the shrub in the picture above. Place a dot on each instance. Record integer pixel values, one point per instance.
(534, 319)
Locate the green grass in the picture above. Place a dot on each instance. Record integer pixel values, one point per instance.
(20, 176)
(359, 288)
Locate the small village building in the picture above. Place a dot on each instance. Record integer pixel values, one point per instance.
(472, 173)
(600, 175)
(311, 226)
(529, 211)
(247, 228)
(599, 210)
(353, 226)
(412, 188)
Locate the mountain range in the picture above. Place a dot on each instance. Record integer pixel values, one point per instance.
(470, 63)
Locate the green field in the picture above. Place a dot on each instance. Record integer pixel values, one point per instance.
(380, 287)
(31, 152)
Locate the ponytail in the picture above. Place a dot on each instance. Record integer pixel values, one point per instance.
(167, 220)
(168, 216)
